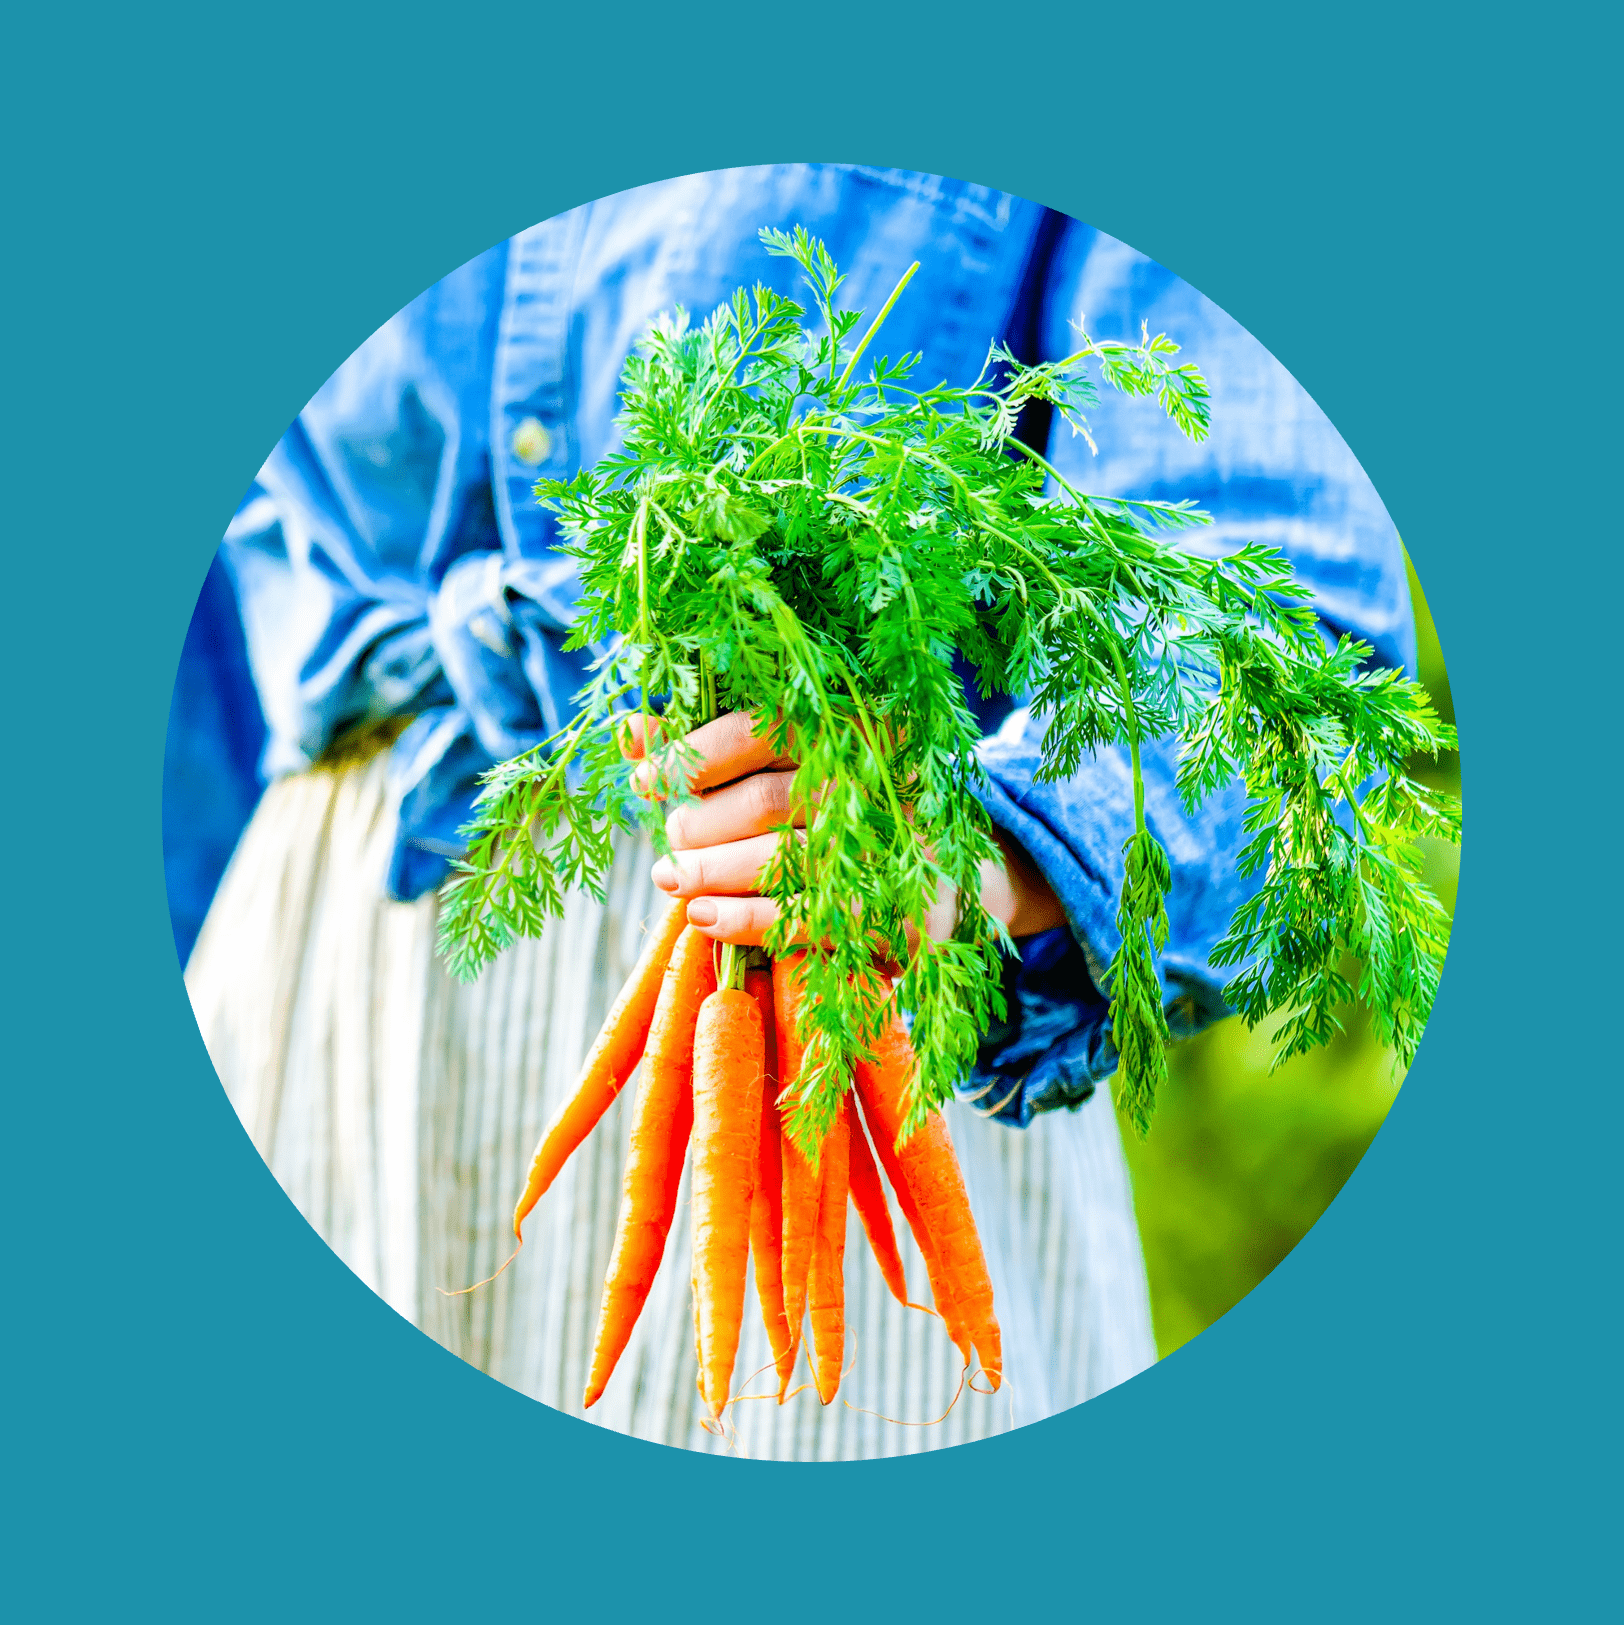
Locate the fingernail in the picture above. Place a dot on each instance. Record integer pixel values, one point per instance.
(664, 875)
(702, 911)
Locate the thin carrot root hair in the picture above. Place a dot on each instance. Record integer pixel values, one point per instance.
(457, 1292)
(1004, 1385)
(733, 1399)
(726, 1432)
(897, 1422)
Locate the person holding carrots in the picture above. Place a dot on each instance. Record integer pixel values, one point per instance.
(401, 609)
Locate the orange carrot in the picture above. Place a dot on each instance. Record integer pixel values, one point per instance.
(609, 1063)
(729, 1052)
(826, 1281)
(868, 1197)
(662, 1117)
(800, 1187)
(931, 1172)
(699, 1358)
(885, 1150)
(767, 1204)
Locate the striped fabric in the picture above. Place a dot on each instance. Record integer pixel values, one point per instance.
(398, 1110)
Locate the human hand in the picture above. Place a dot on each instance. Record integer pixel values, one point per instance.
(722, 843)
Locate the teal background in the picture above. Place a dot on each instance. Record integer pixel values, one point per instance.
(206, 1416)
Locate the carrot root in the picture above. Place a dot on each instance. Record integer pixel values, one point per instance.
(885, 1150)
(826, 1287)
(930, 1170)
(729, 1052)
(767, 1202)
(868, 1197)
(609, 1063)
(662, 1119)
(800, 1179)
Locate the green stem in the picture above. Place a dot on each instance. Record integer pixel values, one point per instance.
(1341, 777)
(725, 378)
(1133, 755)
(874, 751)
(707, 689)
(1043, 463)
(767, 450)
(1130, 711)
(670, 524)
(642, 572)
(970, 498)
(874, 326)
(731, 974)
(535, 794)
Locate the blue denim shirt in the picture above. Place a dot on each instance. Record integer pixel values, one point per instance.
(390, 558)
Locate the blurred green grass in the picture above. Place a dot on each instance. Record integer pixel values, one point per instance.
(1239, 1163)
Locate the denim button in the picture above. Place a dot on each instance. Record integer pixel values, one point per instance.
(531, 442)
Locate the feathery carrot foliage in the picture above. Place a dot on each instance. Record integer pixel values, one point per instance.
(784, 533)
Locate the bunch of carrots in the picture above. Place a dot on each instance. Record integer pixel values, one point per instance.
(721, 1048)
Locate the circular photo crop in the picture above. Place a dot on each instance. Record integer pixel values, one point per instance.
(811, 812)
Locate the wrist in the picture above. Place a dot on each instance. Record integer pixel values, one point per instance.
(1012, 891)
(1016, 893)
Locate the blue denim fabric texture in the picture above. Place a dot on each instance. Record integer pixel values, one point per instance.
(390, 558)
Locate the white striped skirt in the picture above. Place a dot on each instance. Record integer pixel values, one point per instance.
(398, 1110)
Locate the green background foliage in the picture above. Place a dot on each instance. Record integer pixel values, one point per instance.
(1239, 1163)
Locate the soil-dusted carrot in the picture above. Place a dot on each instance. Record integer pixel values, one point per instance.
(931, 1171)
(729, 1052)
(868, 1197)
(800, 1187)
(885, 1150)
(826, 1281)
(767, 1203)
(662, 1117)
(609, 1063)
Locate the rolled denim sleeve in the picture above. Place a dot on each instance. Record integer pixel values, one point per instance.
(1271, 469)
(1054, 1044)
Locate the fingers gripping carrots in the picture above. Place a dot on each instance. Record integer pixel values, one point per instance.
(662, 1118)
(609, 1063)
(717, 1061)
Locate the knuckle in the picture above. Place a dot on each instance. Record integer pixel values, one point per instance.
(769, 798)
